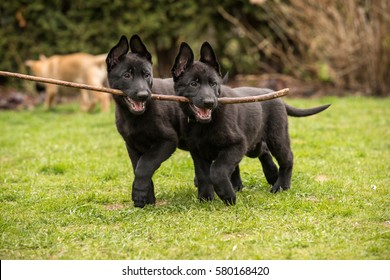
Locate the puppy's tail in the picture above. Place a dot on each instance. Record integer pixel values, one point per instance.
(296, 112)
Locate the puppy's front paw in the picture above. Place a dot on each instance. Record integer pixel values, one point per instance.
(275, 189)
(205, 193)
(206, 197)
(229, 200)
(238, 188)
(272, 177)
(139, 203)
(278, 188)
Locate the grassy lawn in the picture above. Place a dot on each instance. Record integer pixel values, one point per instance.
(65, 185)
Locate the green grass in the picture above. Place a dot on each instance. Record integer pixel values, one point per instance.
(65, 182)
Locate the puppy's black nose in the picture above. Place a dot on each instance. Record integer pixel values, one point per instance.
(208, 102)
(142, 95)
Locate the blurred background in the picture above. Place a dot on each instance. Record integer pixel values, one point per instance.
(315, 47)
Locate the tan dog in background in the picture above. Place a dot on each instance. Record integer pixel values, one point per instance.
(79, 68)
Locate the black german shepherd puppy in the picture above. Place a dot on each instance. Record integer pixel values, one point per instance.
(151, 129)
(221, 135)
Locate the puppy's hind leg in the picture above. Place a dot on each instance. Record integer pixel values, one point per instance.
(269, 167)
(236, 180)
(281, 150)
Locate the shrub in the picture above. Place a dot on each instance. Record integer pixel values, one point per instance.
(350, 39)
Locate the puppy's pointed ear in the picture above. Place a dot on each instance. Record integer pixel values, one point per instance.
(208, 57)
(117, 52)
(138, 47)
(225, 78)
(184, 59)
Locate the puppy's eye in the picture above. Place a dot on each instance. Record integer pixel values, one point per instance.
(146, 75)
(126, 75)
(194, 84)
(213, 84)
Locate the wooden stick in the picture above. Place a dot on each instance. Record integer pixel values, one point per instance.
(255, 98)
(222, 100)
(60, 83)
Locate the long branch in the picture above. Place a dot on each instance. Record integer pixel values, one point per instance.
(222, 100)
(255, 98)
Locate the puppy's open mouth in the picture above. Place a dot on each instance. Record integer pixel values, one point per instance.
(201, 114)
(137, 107)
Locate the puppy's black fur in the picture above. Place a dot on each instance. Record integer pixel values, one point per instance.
(220, 135)
(151, 129)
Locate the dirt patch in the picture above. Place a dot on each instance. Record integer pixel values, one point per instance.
(162, 202)
(322, 178)
(114, 207)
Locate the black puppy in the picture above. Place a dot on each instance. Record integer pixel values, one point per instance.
(221, 135)
(151, 129)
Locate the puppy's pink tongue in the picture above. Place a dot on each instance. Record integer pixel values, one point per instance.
(204, 113)
(137, 105)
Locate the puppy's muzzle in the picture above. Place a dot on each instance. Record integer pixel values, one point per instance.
(208, 103)
(137, 103)
(142, 95)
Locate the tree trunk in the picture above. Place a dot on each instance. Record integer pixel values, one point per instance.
(165, 58)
